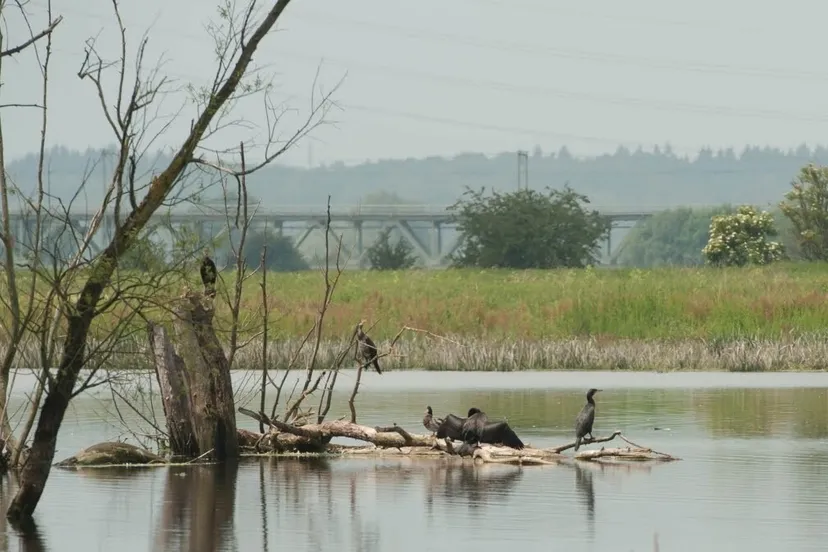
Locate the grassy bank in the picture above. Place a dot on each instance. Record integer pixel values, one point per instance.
(772, 303)
(770, 318)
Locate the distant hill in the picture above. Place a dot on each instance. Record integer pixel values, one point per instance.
(625, 178)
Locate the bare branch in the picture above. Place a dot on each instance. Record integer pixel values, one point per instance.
(44, 33)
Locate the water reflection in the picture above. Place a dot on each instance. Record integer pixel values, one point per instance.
(751, 454)
(479, 485)
(585, 487)
(28, 535)
(198, 509)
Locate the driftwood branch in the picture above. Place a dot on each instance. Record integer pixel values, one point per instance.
(318, 436)
(384, 437)
(409, 440)
(588, 442)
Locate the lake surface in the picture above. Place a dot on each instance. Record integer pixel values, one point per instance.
(754, 474)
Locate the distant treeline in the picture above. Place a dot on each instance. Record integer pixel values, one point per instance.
(756, 175)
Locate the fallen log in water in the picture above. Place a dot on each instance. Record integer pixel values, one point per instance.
(395, 441)
(320, 435)
(112, 454)
(384, 441)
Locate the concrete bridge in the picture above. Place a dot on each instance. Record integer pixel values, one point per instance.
(431, 229)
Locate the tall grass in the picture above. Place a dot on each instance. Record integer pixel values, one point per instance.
(770, 302)
(759, 318)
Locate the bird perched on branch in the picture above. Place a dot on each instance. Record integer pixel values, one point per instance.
(477, 429)
(430, 422)
(209, 274)
(585, 419)
(366, 349)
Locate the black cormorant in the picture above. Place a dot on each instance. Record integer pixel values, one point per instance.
(451, 428)
(208, 274)
(474, 424)
(477, 429)
(585, 419)
(366, 348)
(430, 422)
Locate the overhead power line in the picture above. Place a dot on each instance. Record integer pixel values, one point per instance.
(523, 48)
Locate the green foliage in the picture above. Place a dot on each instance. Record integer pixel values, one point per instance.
(384, 256)
(673, 238)
(528, 229)
(145, 255)
(282, 255)
(806, 207)
(742, 238)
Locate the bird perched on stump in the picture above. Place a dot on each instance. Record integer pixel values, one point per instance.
(208, 274)
(585, 419)
(366, 349)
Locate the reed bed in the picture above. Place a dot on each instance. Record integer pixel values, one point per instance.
(741, 355)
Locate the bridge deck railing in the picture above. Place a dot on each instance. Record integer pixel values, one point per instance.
(402, 210)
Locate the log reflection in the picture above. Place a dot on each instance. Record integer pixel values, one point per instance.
(198, 508)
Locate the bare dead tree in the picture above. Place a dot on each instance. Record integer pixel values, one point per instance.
(312, 379)
(132, 115)
(265, 319)
(241, 221)
(21, 304)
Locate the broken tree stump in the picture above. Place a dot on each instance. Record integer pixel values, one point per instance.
(195, 384)
(171, 374)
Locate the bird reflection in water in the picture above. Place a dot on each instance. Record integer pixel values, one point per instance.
(585, 487)
(476, 485)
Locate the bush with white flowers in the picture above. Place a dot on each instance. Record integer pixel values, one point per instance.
(741, 238)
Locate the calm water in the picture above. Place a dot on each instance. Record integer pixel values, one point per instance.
(754, 475)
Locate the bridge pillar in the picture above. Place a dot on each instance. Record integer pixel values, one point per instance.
(201, 231)
(436, 243)
(360, 246)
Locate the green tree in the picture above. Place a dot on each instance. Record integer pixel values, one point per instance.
(282, 255)
(742, 238)
(674, 237)
(145, 255)
(384, 256)
(528, 229)
(806, 207)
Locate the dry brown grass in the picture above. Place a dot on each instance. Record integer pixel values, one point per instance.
(423, 353)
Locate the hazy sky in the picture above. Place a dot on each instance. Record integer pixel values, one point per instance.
(440, 77)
